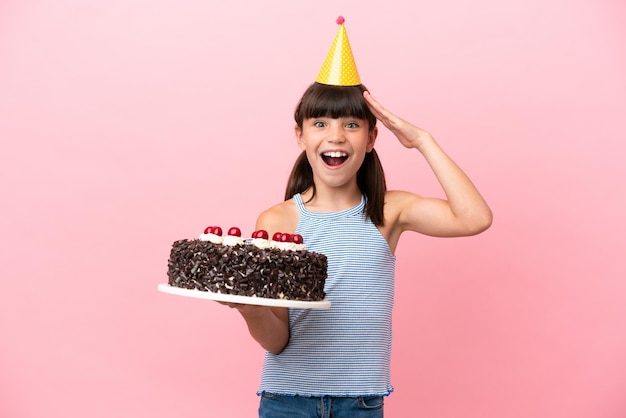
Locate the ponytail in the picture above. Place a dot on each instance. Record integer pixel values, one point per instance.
(371, 181)
(301, 177)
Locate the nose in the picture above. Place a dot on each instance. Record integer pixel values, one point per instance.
(336, 133)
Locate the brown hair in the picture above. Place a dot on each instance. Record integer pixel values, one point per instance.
(321, 100)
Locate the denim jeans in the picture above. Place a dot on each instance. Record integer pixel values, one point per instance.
(281, 406)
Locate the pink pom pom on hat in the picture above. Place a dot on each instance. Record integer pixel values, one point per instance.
(339, 68)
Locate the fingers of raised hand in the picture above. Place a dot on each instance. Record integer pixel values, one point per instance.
(386, 117)
(376, 108)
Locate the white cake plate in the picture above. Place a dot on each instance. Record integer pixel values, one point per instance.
(246, 300)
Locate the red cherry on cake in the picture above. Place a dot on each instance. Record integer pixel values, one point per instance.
(217, 231)
(276, 236)
(297, 239)
(208, 229)
(234, 231)
(285, 237)
(261, 233)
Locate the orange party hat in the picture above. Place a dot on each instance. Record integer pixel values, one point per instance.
(339, 69)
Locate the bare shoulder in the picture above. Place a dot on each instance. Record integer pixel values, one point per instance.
(396, 204)
(282, 217)
(400, 197)
(396, 201)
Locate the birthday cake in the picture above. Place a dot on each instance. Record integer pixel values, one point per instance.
(280, 268)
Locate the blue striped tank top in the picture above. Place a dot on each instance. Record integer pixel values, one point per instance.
(344, 350)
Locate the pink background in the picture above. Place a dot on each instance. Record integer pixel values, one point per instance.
(128, 124)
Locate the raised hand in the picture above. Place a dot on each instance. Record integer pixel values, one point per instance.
(409, 135)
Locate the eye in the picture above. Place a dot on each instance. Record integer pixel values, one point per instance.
(352, 125)
(319, 124)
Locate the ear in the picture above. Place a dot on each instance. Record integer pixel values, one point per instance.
(298, 132)
(372, 139)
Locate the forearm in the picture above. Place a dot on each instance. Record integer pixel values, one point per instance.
(268, 327)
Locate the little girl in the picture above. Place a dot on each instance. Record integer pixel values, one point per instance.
(336, 362)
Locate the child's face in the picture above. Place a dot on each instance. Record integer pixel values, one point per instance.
(335, 147)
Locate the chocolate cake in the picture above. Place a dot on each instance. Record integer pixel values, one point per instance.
(249, 268)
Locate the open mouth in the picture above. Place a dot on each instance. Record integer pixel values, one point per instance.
(334, 158)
